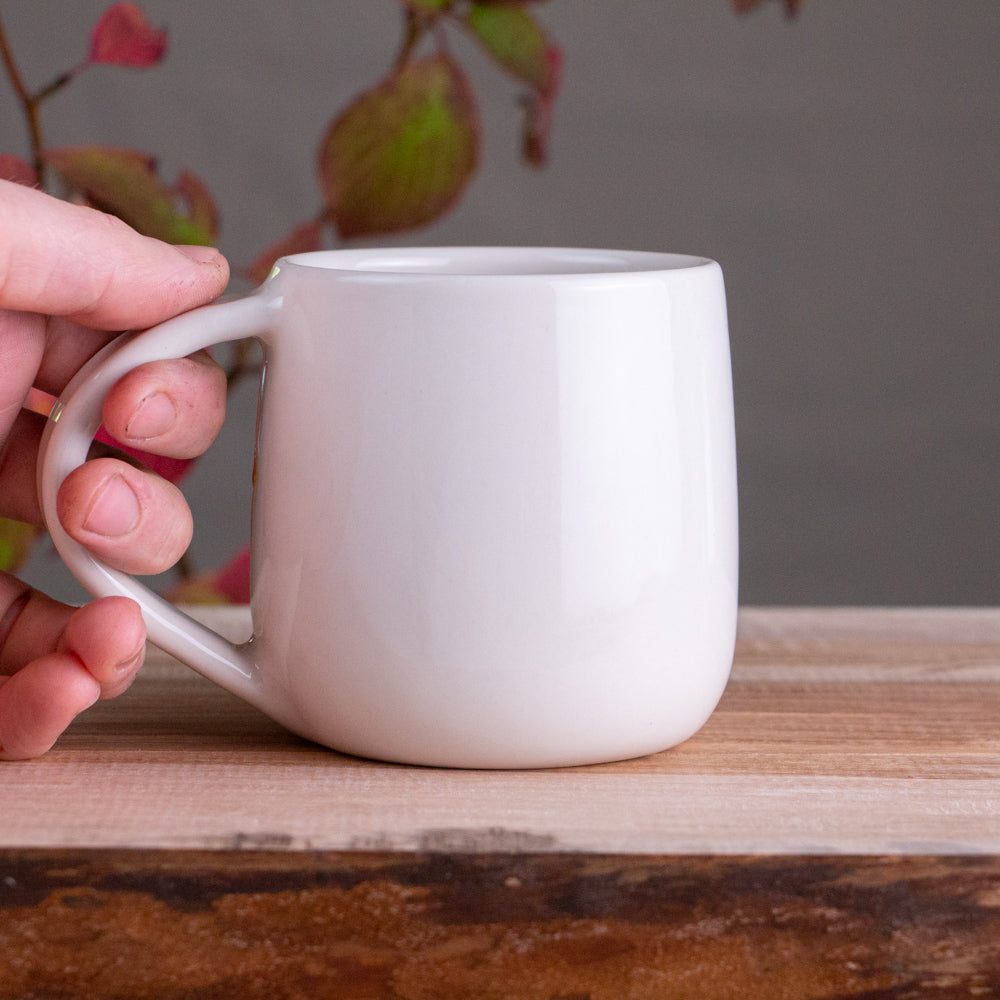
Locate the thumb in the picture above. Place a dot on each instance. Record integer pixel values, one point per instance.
(68, 260)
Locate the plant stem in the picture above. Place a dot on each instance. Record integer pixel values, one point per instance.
(184, 567)
(240, 366)
(414, 29)
(417, 24)
(29, 105)
(59, 82)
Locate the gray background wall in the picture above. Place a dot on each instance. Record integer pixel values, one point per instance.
(843, 167)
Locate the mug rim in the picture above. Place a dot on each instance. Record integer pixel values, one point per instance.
(490, 262)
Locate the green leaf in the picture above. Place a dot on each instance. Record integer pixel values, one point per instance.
(125, 183)
(515, 40)
(202, 211)
(16, 542)
(401, 154)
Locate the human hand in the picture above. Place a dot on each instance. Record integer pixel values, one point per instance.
(70, 279)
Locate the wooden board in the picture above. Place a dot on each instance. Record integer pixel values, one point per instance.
(832, 833)
(841, 732)
(298, 926)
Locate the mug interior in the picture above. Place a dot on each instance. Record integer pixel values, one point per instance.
(485, 261)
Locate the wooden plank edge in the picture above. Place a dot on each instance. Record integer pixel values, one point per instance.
(242, 924)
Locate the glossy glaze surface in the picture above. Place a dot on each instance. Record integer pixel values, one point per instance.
(495, 519)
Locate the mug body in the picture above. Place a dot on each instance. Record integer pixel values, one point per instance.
(495, 517)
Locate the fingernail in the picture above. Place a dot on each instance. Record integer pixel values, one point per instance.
(133, 662)
(155, 416)
(115, 510)
(199, 254)
(95, 697)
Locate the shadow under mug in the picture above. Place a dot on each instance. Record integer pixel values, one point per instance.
(494, 519)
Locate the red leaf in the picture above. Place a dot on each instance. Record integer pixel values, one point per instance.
(229, 585)
(233, 580)
(302, 239)
(124, 37)
(171, 469)
(401, 154)
(538, 113)
(125, 183)
(13, 168)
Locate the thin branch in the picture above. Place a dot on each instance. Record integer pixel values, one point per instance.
(414, 29)
(11, 66)
(60, 81)
(240, 366)
(184, 567)
(29, 105)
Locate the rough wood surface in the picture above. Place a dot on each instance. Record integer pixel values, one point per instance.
(842, 731)
(298, 925)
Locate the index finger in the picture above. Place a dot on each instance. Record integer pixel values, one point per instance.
(71, 261)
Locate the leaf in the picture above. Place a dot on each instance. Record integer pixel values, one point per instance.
(515, 40)
(124, 37)
(538, 113)
(401, 154)
(124, 182)
(13, 168)
(201, 205)
(302, 239)
(228, 585)
(171, 469)
(16, 542)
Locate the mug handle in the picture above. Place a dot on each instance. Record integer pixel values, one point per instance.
(69, 432)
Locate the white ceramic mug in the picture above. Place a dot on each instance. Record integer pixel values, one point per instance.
(494, 523)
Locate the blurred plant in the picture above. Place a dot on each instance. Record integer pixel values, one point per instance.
(745, 6)
(399, 156)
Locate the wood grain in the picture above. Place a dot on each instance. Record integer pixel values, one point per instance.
(832, 833)
(291, 925)
(844, 731)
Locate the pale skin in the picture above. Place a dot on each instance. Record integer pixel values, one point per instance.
(71, 278)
